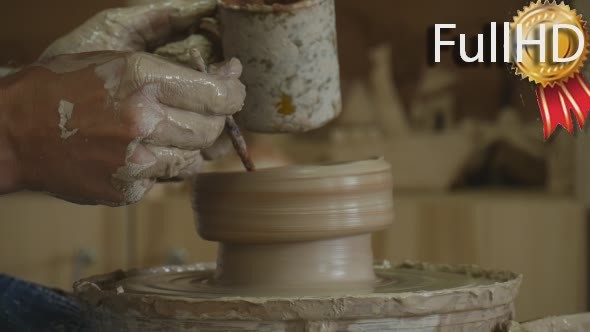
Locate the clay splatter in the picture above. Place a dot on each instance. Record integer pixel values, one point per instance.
(65, 110)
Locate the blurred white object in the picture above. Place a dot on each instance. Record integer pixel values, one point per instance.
(428, 157)
(387, 99)
(429, 161)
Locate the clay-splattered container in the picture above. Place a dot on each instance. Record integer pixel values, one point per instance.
(428, 298)
(290, 58)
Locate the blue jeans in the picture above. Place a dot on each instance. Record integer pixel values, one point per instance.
(25, 306)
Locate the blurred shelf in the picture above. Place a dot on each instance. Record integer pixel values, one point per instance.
(540, 235)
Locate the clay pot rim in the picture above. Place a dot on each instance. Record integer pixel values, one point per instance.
(326, 170)
(275, 8)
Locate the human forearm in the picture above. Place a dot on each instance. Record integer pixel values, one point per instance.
(101, 127)
(105, 131)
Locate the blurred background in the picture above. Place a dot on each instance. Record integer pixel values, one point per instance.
(474, 181)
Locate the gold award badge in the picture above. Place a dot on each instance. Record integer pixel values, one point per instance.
(555, 68)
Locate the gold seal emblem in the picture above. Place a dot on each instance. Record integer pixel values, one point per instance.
(549, 14)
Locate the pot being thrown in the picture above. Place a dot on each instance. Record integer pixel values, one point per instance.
(296, 228)
(295, 255)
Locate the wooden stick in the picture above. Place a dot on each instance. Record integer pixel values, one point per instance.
(239, 143)
(231, 126)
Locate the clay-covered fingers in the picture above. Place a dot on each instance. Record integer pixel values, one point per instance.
(132, 191)
(173, 162)
(187, 12)
(186, 130)
(158, 162)
(222, 147)
(132, 28)
(157, 22)
(196, 60)
(231, 68)
(181, 87)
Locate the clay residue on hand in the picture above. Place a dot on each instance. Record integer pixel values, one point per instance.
(65, 111)
(132, 28)
(63, 64)
(111, 72)
(180, 51)
(155, 115)
(261, 2)
(268, 5)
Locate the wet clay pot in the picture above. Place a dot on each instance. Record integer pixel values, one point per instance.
(295, 255)
(298, 229)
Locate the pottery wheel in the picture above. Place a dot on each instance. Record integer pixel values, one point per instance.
(409, 297)
(295, 254)
(197, 281)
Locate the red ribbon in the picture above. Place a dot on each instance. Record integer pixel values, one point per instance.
(557, 103)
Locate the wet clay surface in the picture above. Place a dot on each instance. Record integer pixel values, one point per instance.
(294, 203)
(187, 283)
(300, 267)
(260, 2)
(299, 227)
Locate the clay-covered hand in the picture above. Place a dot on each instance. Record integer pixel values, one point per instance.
(133, 28)
(101, 127)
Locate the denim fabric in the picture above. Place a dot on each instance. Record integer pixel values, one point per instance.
(27, 307)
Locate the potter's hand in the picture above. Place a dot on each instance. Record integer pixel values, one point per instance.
(101, 127)
(133, 28)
